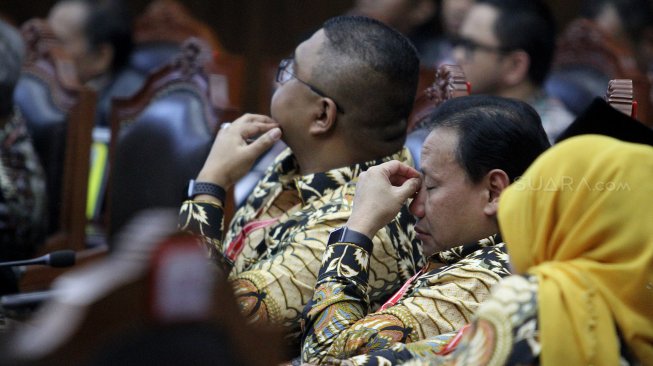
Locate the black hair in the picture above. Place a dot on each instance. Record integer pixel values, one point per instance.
(109, 22)
(372, 70)
(527, 25)
(494, 133)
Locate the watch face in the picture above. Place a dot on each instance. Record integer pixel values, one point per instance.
(191, 188)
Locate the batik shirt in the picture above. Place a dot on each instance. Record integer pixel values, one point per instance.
(275, 243)
(505, 331)
(441, 299)
(22, 192)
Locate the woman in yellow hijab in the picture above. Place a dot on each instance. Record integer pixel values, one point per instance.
(579, 230)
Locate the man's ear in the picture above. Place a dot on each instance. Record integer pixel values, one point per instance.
(516, 65)
(496, 180)
(325, 117)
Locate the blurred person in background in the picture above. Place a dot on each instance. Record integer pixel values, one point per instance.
(506, 48)
(22, 181)
(98, 36)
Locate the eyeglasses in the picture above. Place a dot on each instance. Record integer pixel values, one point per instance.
(286, 71)
(470, 46)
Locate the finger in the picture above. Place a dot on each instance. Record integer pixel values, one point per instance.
(408, 171)
(402, 174)
(408, 188)
(395, 167)
(257, 128)
(264, 142)
(249, 118)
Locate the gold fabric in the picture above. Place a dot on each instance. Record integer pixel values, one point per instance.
(580, 219)
(276, 266)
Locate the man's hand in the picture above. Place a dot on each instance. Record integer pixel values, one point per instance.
(380, 193)
(233, 152)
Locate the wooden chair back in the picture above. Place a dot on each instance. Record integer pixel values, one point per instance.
(162, 135)
(59, 112)
(586, 58)
(448, 82)
(161, 30)
(620, 96)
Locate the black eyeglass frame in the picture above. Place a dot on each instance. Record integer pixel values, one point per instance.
(287, 63)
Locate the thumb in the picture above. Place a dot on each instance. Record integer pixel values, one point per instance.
(264, 142)
(409, 188)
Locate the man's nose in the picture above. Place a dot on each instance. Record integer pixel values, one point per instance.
(417, 206)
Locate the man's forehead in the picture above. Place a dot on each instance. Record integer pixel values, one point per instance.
(439, 147)
(480, 19)
(311, 45)
(307, 54)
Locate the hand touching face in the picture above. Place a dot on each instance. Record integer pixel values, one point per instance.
(381, 191)
(237, 147)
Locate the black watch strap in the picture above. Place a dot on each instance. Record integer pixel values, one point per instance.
(347, 235)
(195, 188)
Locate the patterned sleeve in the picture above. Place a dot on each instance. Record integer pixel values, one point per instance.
(505, 331)
(276, 289)
(442, 301)
(340, 298)
(22, 193)
(399, 353)
(205, 219)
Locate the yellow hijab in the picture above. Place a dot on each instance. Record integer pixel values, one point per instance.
(581, 220)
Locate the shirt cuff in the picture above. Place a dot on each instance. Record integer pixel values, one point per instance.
(347, 235)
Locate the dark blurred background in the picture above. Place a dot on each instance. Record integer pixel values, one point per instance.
(257, 29)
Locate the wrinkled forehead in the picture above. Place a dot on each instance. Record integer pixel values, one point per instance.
(440, 149)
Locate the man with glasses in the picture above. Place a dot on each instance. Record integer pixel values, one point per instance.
(505, 48)
(341, 107)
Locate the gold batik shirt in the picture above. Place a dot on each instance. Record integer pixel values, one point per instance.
(338, 322)
(276, 241)
(505, 330)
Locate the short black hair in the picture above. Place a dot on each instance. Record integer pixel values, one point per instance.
(11, 56)
(109, 22)
(528, 25)
(372, 70)
(494, 133)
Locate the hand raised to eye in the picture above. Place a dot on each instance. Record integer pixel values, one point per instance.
(381, 191)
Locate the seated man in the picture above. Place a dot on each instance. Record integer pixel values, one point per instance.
(477, 147)
(581, 257)
(342, 107)
(22, 183)
(505, 49)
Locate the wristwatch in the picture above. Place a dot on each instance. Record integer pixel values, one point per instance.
(347, 235)
(195, 188)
